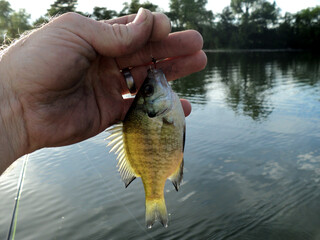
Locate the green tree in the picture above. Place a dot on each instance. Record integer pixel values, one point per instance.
(285, 33)
(148, 5)
(12, 24)
(257, 20)
(265, 14)
(41, 20)
(102, 13)
(19, 23)
(5, 12)
(190, 14)
(62, 6)
(226, 29)
(307, 28)
(242, 8)
(134, 6)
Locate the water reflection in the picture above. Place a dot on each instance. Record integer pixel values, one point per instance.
(250, 175)
(194, 87)
(249, 79)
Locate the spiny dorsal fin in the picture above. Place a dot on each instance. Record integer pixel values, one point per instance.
(176, 178)
(116, 141)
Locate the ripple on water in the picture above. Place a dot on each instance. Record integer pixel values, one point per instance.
(251, 165)
(8, 191)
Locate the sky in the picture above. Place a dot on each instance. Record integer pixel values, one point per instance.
(37, 8)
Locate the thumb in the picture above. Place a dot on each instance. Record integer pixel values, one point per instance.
(107, 39)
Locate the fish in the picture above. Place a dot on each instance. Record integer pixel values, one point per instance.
(150, 143)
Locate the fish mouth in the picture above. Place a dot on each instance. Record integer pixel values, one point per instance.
(151, 114)
(163, 112)
(154, 114)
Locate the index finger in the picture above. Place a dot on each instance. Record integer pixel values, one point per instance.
(161, 24)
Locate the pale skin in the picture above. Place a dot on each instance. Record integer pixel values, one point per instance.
(62, 84)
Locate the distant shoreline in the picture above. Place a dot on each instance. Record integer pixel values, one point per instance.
(254, 50)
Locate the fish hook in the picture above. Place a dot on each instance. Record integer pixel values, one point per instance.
(154, 62)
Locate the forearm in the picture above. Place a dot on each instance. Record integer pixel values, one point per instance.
(13, 140)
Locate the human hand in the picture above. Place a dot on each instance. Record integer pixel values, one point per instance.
(62, 83)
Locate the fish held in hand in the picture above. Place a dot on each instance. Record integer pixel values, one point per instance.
(150, 143)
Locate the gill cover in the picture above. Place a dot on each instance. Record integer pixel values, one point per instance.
(155, 94)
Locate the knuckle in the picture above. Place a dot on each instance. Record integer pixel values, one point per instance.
(198, 39)
(69, 17)
(122, 37)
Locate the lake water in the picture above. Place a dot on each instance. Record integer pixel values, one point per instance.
(252, 164)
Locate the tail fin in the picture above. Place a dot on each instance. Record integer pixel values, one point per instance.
(156, 210)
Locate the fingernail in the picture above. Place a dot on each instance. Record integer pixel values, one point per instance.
(141, 16)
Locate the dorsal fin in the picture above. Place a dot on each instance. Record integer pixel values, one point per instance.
(116, 141)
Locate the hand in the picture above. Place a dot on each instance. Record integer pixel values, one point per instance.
(62, 83)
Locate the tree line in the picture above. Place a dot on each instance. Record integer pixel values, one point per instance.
(244, 24)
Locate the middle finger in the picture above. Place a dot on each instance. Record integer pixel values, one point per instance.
(175, 45)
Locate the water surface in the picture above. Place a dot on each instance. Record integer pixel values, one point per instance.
(252, 164)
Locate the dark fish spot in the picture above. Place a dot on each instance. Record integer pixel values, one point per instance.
(151, 114)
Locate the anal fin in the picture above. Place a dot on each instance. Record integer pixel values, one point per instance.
(128, 180)
(176, 177)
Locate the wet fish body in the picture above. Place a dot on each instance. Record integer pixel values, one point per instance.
(150, 143)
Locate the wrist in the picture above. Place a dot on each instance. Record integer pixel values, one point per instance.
(13, 137)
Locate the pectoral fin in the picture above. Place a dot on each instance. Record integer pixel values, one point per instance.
(116, 141)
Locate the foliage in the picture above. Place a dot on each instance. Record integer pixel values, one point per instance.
(242, 8)
(192, 14)
(62, 6)
(5, 12)
(264, 14)
(102, 13)
(307, 28)
(225, 29)
(12, 23)
(186, 14)
(40, 21)
(134, 6)
(244, 24)
(18, 23)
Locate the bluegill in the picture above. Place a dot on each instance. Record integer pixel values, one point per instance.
(150, 143)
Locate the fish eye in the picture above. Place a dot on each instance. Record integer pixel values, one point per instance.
(148, 90)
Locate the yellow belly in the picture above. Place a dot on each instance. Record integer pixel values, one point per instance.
(154, 151)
